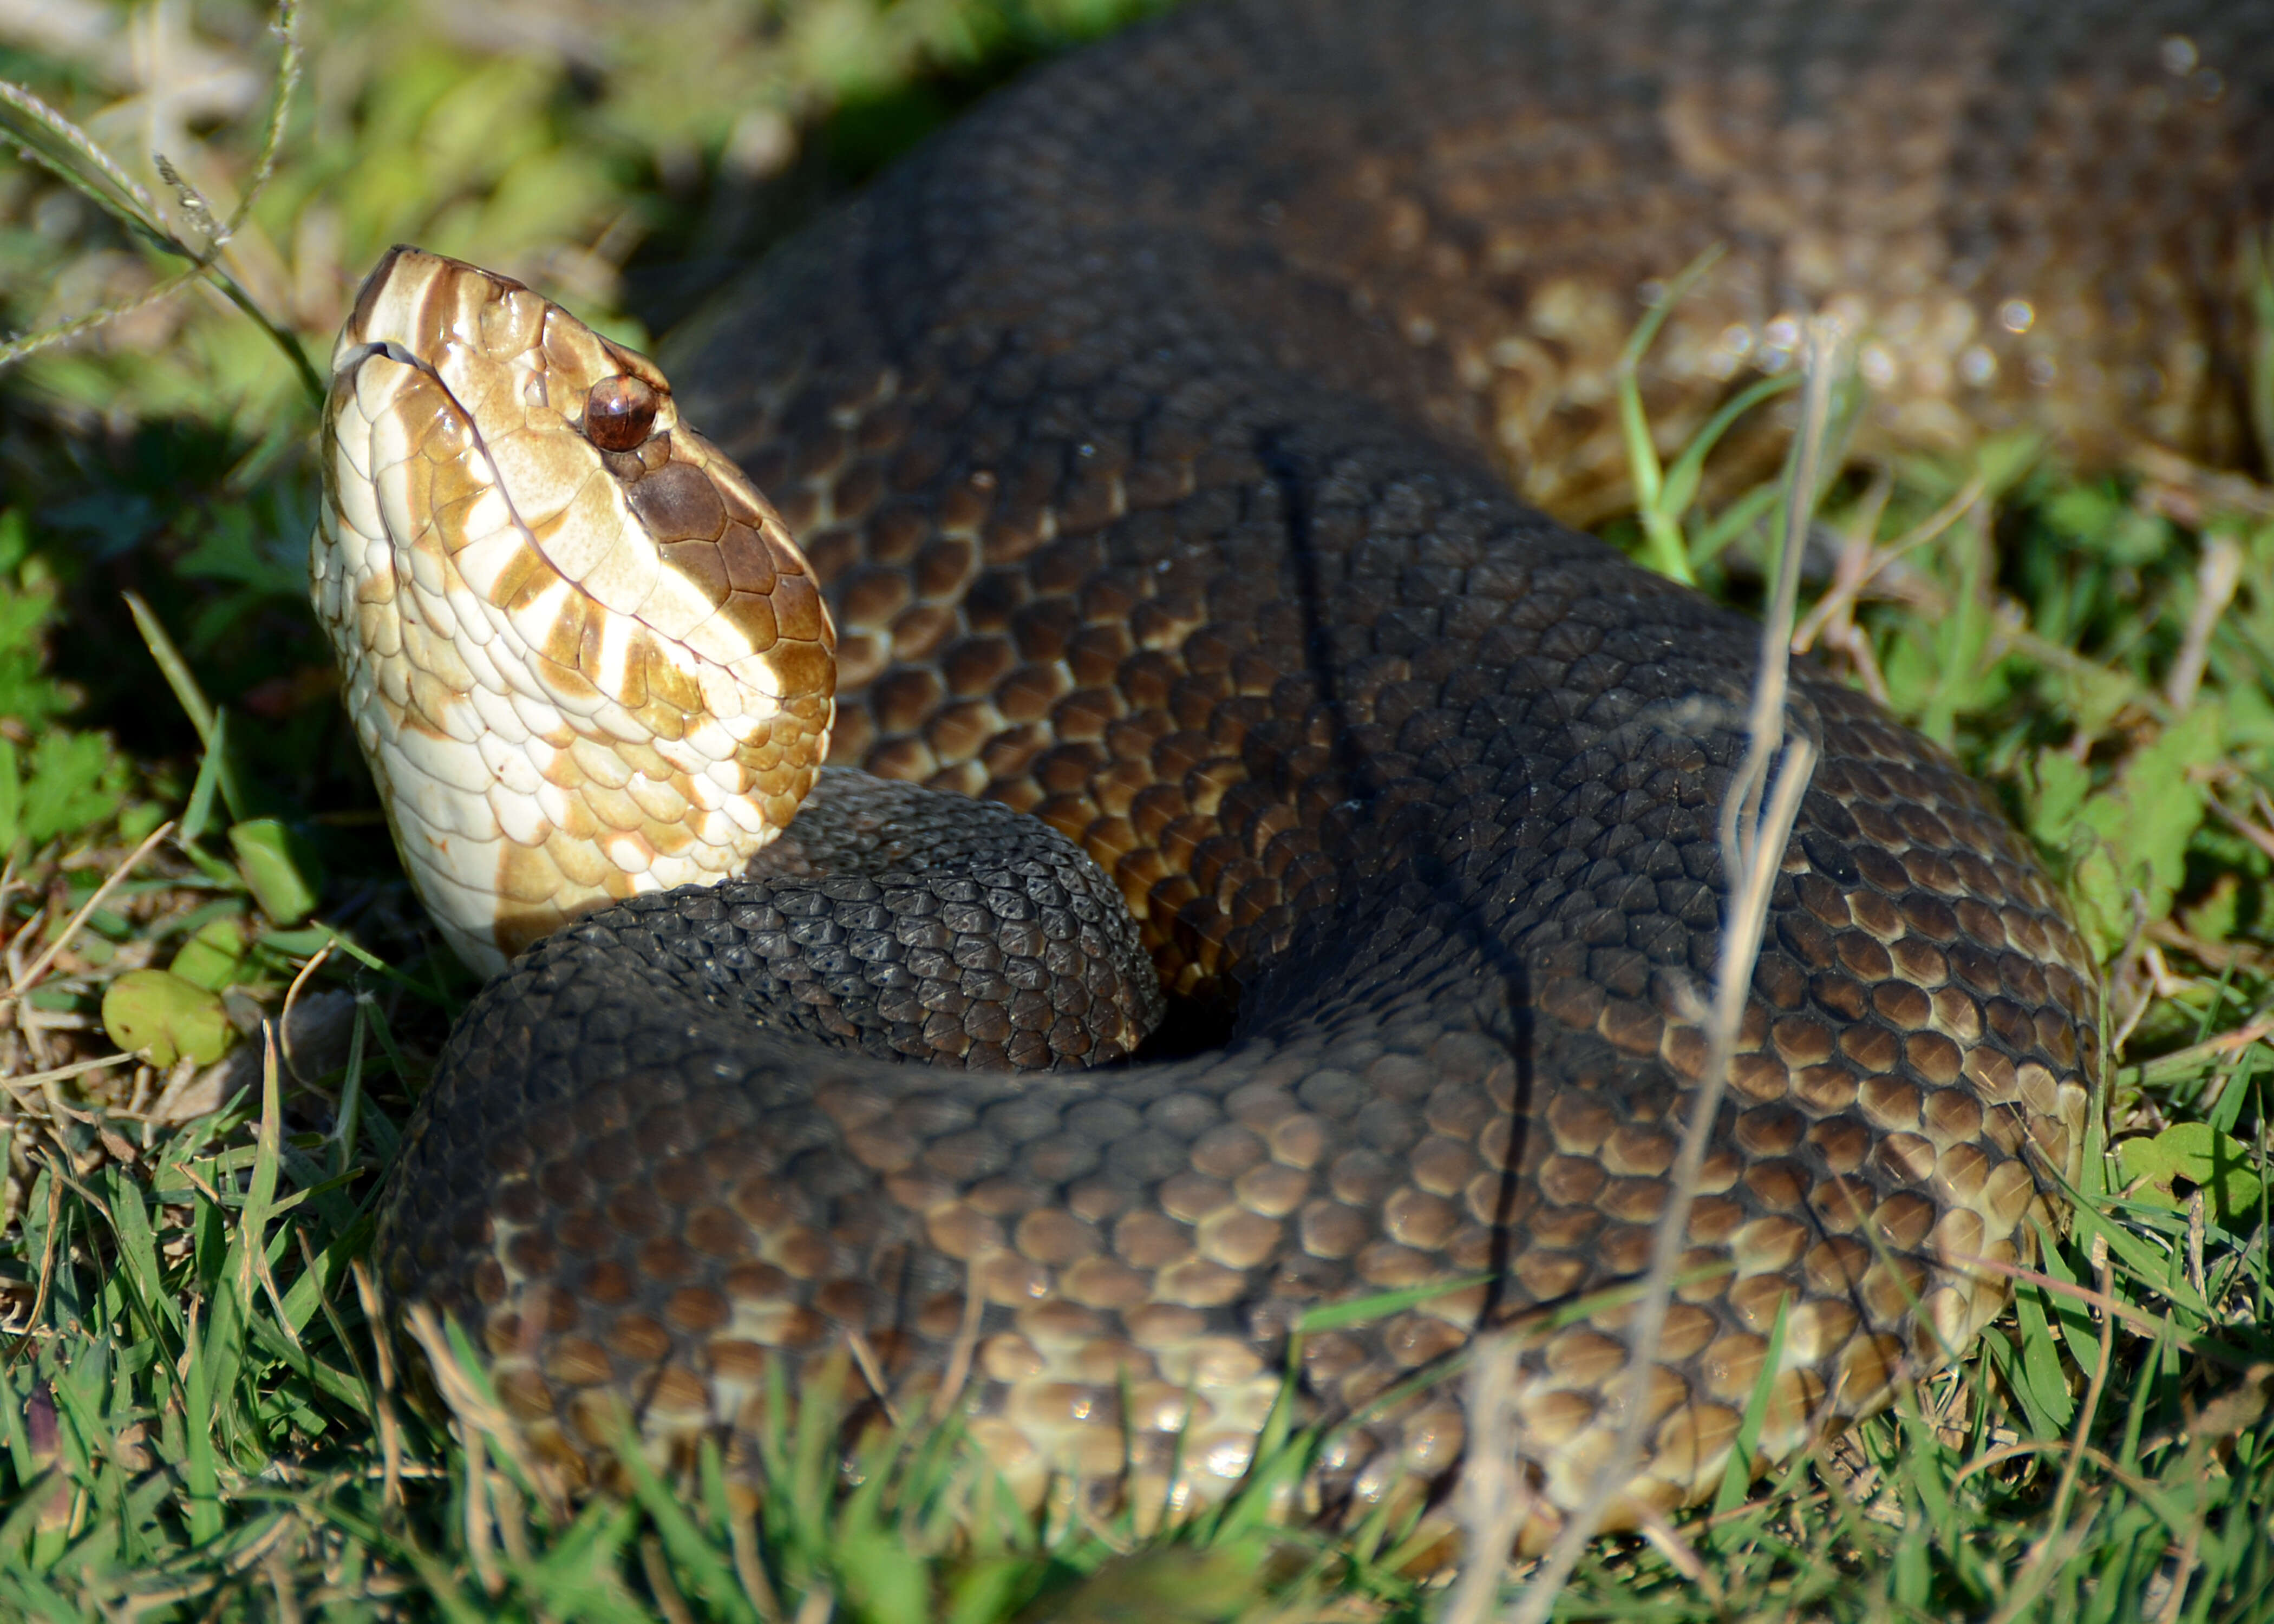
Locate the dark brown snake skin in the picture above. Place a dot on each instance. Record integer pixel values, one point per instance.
(1155, 429)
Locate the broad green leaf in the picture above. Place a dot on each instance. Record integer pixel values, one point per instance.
(2002, 459)
(2222, 1166)
(2098, 520)
(2062, 782)
(160, 1015)
(276, 869)
(72, 782)
(28, 695)
(2249, 716)
(210, 959)
(2216, 916)
(2144, 822)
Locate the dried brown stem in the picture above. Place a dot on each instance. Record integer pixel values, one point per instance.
(20, 984)
(1863, 563)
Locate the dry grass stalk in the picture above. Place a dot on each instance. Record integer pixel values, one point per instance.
(475, 1413)
(390, 1430)
(2217, 574)
(291, 1001)
(872, 1371)
(45, 137)
(668, 1601)
(965, 1347)
(24, 980)
(2189, 493)
(1495, 1495)
(1863, 561)
(1756, 821)
(56, 1074)
(750, 1567)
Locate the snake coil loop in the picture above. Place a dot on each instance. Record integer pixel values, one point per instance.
(1168, 440)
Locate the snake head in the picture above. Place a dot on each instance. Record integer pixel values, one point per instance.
(582, 653)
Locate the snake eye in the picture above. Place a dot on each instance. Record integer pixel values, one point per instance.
(619, 412)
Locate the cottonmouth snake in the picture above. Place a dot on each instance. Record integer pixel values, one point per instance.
(1151, 438)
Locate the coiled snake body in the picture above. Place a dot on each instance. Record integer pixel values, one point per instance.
(1151, 439)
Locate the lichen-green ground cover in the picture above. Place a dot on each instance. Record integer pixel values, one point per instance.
(196, 1420)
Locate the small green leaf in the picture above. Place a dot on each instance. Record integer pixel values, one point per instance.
(276, 868)
(158, 1014)
(210, 959)
(2002, 459)
(2144, 822)
(2062, 784)
(72, 782)
(2099, 520)
(2222, 1166)
(2215, 917)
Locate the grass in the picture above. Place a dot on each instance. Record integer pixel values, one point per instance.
(198, 1422)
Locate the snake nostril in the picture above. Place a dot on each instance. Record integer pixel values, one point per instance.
(619, 412)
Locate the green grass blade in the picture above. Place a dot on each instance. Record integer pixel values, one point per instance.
(1737, 1476)
(201, 1466)
(711, 1570)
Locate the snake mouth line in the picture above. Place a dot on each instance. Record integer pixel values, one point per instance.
(344, 365)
